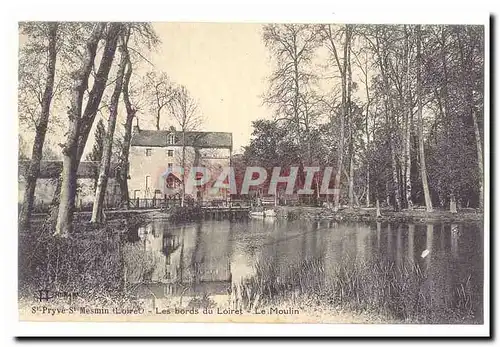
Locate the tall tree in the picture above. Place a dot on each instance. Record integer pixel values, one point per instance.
(330, 35)
(184, 110)
(97, 149)
(161, 92)
(96, 154)
(142, 36)
(49, 32)
(290, 85)
(100, 80)
(364, 65)
(381, 40)
(347, 60)
(124, 157)
(470, 43)
(423, 168)
(408, 117)
(98, 206)
(70, 147)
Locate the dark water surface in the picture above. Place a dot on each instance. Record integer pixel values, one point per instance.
(205, 258)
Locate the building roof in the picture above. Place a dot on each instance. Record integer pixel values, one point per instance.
(52, 169)
(200, 139)
(174, 172)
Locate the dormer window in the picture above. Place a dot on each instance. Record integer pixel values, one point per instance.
(171, 139)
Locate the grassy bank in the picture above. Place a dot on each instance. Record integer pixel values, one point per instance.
(417, 215)
(89, 262)
(375, 289)
(370, 215)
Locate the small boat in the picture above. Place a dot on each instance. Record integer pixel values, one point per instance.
(263, 214)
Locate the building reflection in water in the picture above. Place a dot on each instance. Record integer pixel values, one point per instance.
(206, 258)
(185, 260)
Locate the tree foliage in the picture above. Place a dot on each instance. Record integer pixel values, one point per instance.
(370, 115)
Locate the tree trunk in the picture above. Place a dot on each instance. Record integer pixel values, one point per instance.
(479, 148)
(408, 125)
(395, 177)
(394, 187)
(101, 78)
(343, 73)
(466, 65)
(336, 201)
(41, 129)
(444, 109)
(389, 108)
(367, 129)
(127, 136)
(453, 204)
(70, 163)
(183, 160)
(423, 169)
(54, 204)
(349, 117)
(351, 180)
(367, 149)
(100, 193)
(67, 195)
(408, 161)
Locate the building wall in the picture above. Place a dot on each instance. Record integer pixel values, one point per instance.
(216, 163)
(146, 172)
(44, 190)
(46, 187)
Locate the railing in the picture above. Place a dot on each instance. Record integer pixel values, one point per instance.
(153, 203)
(268, 201)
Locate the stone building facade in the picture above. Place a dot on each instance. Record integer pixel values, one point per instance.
(155, 162)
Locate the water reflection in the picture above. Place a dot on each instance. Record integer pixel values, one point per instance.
(208, 258)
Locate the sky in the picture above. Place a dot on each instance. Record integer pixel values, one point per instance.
(224, 66)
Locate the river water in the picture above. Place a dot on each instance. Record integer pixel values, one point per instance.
(437, 267)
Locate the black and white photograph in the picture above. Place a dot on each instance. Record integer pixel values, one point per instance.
(253, 172)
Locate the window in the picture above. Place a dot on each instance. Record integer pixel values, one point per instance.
(170, 152)
(148, 152)
(148, 182)
(170, 165)
(170, 182)
(171, 139)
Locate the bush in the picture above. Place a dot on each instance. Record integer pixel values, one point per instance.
(375, 286)
(89, 262)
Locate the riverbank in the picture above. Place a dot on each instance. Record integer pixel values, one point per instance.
(178, 214)
(417, 215)
(313, 277)
(370, 215)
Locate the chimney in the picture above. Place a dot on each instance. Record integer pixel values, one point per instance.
(135, 128)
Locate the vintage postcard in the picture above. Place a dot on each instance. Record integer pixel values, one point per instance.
(322, 172)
